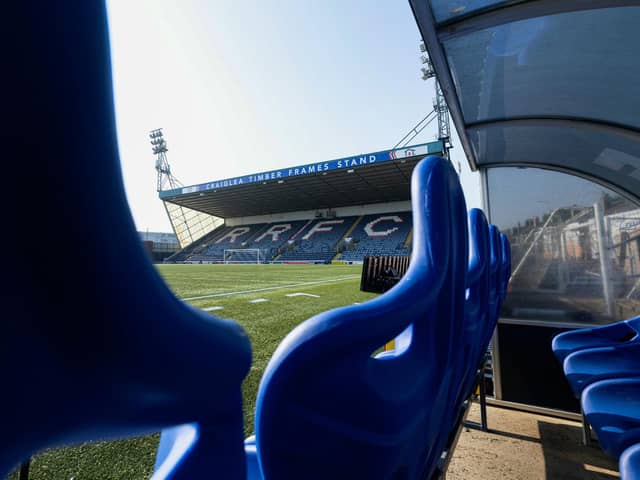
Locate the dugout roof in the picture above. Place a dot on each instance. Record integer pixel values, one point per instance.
(376, 177)
(544, 83)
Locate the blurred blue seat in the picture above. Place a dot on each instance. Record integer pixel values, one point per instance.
(612, 408)
(630, 463)
(93, 343)
(618, 333)
(585, 367)
(327, 408)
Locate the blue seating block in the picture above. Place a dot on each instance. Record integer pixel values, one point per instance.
(327, 409)
(612, 408)
(611, 335)
(584, 367)
(391, 244)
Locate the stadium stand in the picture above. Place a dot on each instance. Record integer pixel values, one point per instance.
(306, 240)
(381, 234)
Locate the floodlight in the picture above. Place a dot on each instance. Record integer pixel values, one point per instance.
(157, 141)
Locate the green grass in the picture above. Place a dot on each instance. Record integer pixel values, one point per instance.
(266, 323)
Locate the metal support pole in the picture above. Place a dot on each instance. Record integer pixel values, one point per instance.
(586, 430)
(483, 398)
(603, 252)
(562, 266)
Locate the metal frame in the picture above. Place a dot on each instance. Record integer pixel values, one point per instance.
(482, 398)
(514, 11)
(509, 11)
(258, 258)
(586, 429)
(445, 460)
(549, 412)
(495, 364)
(462, 422)
(619, 129)
(543, 323)
(422, 9)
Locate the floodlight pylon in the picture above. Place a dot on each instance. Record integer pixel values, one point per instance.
(189, 225)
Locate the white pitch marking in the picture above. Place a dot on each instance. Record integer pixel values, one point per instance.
(211, 309)
(258, 300)
(331, 280)
(300, 294)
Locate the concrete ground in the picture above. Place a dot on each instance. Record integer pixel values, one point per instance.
(522, 445)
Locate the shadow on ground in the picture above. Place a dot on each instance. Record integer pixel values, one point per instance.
(526, 446)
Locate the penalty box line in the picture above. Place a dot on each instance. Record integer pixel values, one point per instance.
(279, 287)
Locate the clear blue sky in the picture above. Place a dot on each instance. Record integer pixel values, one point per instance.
(241, 87)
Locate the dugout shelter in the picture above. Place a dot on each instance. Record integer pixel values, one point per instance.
(544, 96)
(284, 204)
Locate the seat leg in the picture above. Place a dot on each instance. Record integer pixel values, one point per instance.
(586, 430)
(483, 399)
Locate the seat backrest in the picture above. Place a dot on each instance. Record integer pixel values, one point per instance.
(505, 266)
(477, 298)
(327, 408)
(495, 281)
(93, 344)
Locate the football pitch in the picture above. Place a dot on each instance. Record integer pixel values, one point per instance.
(267, 300)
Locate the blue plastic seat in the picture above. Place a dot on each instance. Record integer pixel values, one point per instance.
(497, 270)
(328, 409)
(630, 463)
(585, 367)
(618, 333)
(477, 300)
(93, 343)
(612, 408)
(476, 319)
